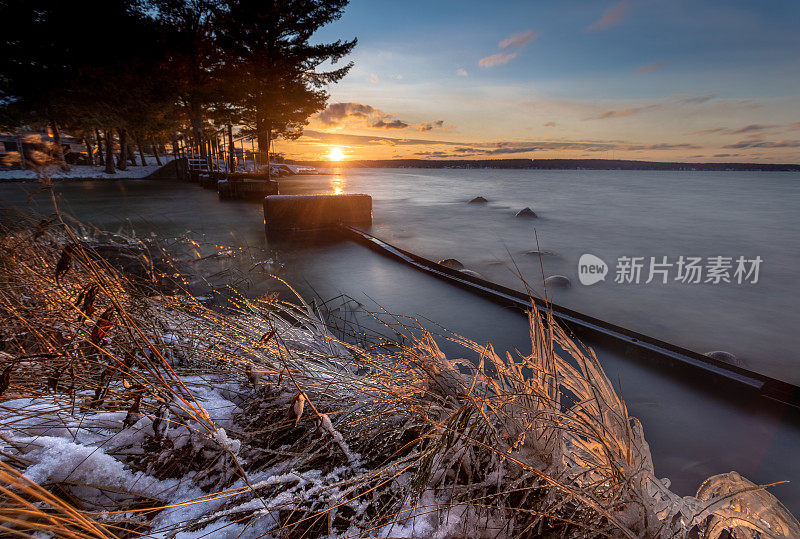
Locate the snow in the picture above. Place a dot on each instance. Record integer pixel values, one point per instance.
(87, 172)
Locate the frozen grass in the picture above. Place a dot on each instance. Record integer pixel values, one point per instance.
(125, 411)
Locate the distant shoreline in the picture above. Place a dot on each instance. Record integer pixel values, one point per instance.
(552, 164)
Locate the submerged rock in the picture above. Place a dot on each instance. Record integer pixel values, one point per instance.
(525, 212)
(451, 263)
(472, 273)
(725, 357)
(478, 200)
(558, 280)
(536, 252)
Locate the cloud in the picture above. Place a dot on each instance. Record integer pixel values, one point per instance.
(726, 131)
(550, 124)
(697, 99)
(456, 149)
(336, 113)
(429, 126)
(750, 128)
(518, 40)
(764, 144)
(710, 131)
(461, 72)
(384, 141)
(796, 125)
(612, 16)
(515, 41)
(662, 146)
(620, 113)
(727, 154)
(649, 68)
(497, 59)
(393, 124)
(374, 79)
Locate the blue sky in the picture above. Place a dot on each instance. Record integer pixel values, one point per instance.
(634, 79)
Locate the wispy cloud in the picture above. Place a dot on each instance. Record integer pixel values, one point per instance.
(661, 146)
(497, 59)
(612, 16)
(550, 124)
(710, 131)
(751, 128)
(764, 144)
(518, 40)
(461, 72)
(620, 113)
(697, 99)
(649, 68)
(515, 41)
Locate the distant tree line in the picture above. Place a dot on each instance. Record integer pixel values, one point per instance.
(146, 71)
(549, 164)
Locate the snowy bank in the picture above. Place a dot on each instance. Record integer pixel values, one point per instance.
(126, 412)
(85, 172)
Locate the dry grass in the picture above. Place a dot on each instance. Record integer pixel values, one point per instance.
(125, 411)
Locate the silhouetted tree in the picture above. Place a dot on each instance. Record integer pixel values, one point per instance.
(279, 84)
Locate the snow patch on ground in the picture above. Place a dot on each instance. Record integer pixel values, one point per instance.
(87, 172)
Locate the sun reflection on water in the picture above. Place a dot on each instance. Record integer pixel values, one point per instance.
(337, 183)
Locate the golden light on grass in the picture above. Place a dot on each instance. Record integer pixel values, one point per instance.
(335, 154)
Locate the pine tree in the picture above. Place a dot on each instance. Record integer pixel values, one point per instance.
(278, 85)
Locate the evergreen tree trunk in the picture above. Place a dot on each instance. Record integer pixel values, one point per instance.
(21, 149)
(122, 162)
(89, 148)
(231, 150)
(100, 159)
(197, 125)
(131, 152)
(141, 152)
(264, 139)
(59, 148)
(109, 153)
(155, 153)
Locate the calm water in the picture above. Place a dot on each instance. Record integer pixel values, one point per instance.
(693, 433)
(613, 214)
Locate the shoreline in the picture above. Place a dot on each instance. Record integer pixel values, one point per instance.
(83, 173)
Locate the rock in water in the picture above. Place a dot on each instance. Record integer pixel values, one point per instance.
(541, 253)
(725, 357)
(472, 273)
(558, 280)
(525, 212)
(451, 263)
(478, 200)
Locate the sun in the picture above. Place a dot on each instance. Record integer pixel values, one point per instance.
(335, 154)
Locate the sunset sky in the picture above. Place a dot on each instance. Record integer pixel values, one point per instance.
(710, 80)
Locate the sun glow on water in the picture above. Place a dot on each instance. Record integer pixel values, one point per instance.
(337, 184)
